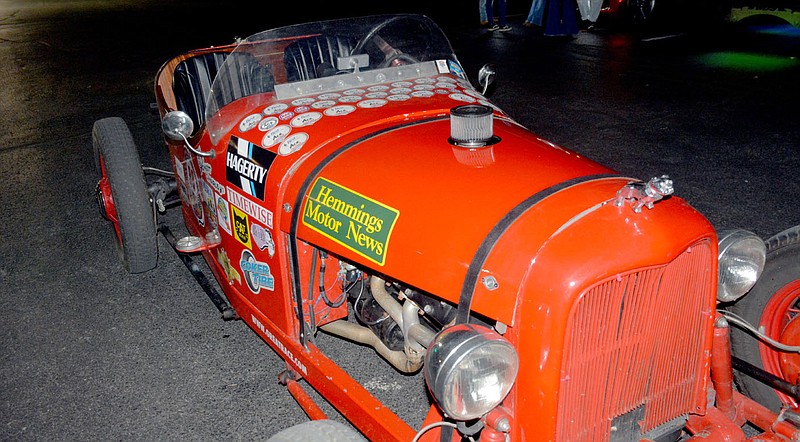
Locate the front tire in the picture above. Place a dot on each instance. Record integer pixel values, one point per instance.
(123, 194)
(772, 303)
(318, 431)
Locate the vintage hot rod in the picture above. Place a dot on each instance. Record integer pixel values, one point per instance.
(345, 179)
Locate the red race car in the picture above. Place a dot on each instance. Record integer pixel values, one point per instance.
(344, 178)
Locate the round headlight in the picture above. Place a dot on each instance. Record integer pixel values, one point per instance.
(741, 260)
(469, 370)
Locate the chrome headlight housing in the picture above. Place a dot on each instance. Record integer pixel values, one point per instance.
(469, 370)
(741, 259)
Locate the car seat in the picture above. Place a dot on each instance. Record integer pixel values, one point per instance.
(194, 76)
(315, 57)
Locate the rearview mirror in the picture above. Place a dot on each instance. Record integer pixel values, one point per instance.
(486, 77)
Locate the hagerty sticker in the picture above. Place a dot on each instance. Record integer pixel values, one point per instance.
(355, 221)
(246, 166)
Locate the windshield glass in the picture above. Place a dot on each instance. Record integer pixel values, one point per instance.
(324, 56)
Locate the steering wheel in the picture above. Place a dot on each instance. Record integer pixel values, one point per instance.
(398, 58)
(359, 47)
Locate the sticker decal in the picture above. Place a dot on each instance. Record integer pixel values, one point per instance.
(306, 119)
(262, 214)
(249, 122)
(355, 221)
(463, 97)
(256, 273)
(275, 136)
(373, 103)
(263, 238)
(225, 262)
(246, 166)
(323, 104)
(293, 143)
(340, 110)
(268, 123)
(422, 94)
(241, 229)
(223, 214)
(304, 101)
(350, 99)
(215, 185)
(456, 69)
(275, 108)
(195, 195)
(208, 196)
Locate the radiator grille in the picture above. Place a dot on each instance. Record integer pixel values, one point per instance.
(637, 341)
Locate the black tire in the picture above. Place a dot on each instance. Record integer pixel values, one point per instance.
(781, 269)
(318, 431)
(118, 160)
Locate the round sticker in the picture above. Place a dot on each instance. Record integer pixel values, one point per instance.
(306, 119)
(275, 135)
(422, 94)
(293, 143)
(249, 122)
(338, 111)
(267, 123)
(275, 109)
(305, 101)
(367, 104)
(323, 104)
(350, 99)
(463, 97)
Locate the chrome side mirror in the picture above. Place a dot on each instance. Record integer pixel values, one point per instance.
(486, 77)
(177, 125)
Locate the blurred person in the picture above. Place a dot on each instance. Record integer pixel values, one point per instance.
(536, 14)
(501, 24)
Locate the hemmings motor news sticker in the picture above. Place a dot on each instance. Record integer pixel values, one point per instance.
(355, 221)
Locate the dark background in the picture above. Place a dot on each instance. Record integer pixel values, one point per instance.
(89, 352)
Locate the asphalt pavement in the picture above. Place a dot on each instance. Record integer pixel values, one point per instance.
(89, 352)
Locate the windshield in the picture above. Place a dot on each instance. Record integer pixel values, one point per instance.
(324, 56)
